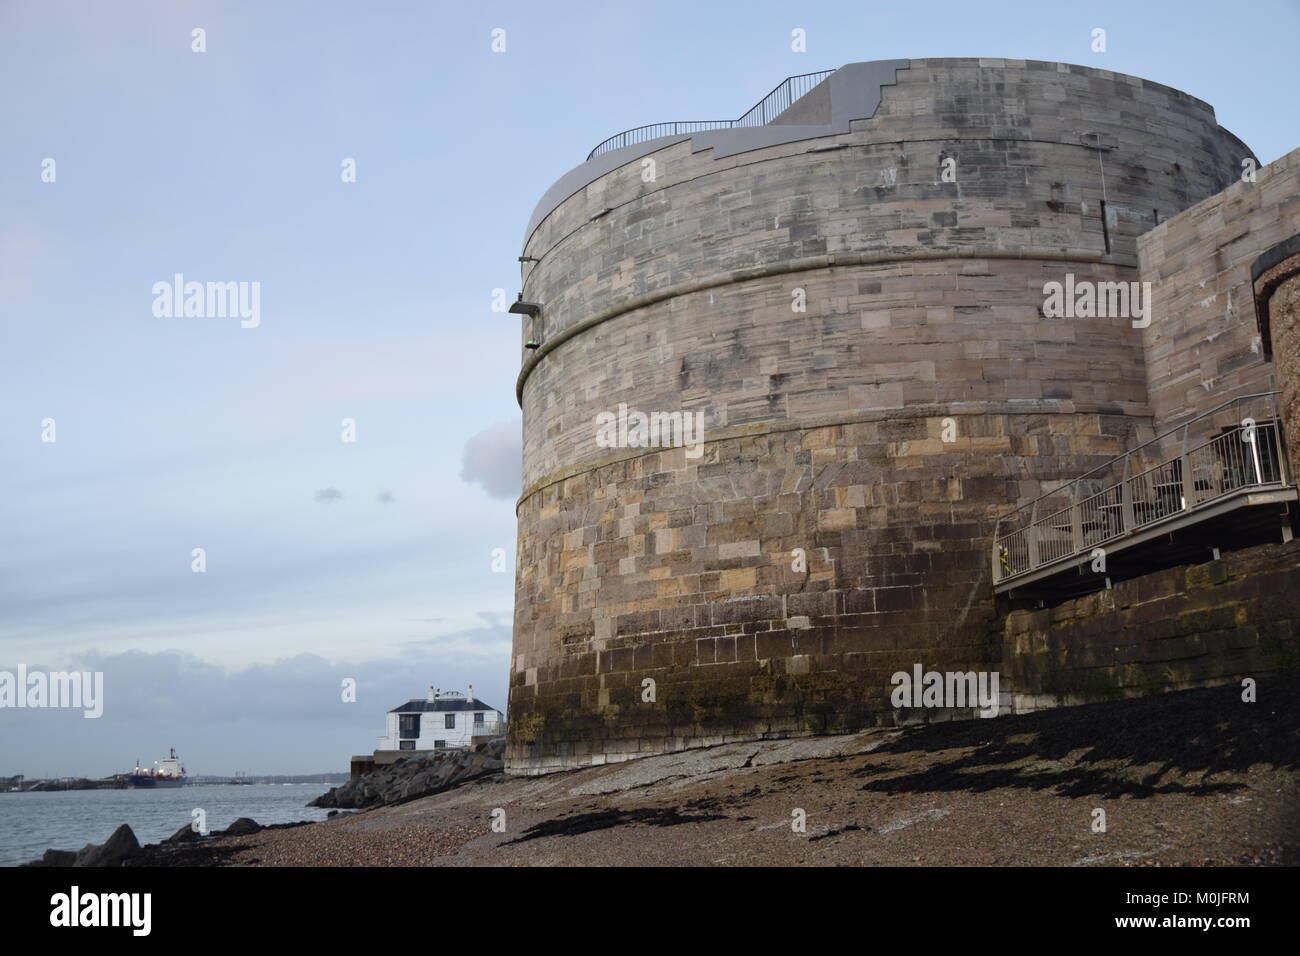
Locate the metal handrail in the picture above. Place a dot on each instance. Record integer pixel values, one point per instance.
(760, 114)
(1151, 488)
(654, 130)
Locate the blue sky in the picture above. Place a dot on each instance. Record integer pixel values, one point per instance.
(369, 559)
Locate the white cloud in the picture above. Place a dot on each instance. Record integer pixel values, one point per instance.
(494, 459)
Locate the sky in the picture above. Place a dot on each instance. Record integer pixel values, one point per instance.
(371, 558)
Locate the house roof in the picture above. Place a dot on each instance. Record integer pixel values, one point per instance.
(454, 703)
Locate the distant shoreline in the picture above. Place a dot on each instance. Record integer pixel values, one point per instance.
(22, 785)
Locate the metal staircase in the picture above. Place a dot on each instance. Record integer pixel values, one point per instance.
(1221, 477)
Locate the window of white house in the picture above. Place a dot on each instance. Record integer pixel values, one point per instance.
(408, 725)
(439, 744)
(478, 717)
(406, 745)
(451, 722)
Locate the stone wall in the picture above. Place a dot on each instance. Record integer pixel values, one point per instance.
(879, 431)
(1182, 627)
(1203, 346)
(1277, 306)
(656, 567)
(1284, 307)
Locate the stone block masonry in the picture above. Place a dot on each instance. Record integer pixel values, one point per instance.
(1182, 627)
(1203, 346)
(866, 342)
(1279, 305)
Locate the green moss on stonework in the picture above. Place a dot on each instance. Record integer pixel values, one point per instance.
(527, 728)
(1278, 650)
(1208, 619)
(763, 687)
(817, 717)
(1153, 679)
(1091, 684)
(676, 706)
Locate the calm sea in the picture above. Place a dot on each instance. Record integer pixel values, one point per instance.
(31, 823)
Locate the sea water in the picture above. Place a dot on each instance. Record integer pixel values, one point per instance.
(31, 823)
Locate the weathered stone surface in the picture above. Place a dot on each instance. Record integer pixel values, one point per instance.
(242, 827)
(186, 834)
(56, 858)
(1284, 332)
(1203, 345)
(1173, 629)
(409, 779)
(117, 848)
(879, 433)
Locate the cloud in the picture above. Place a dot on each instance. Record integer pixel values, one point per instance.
(286, 716)
(328, 496)
(494, 459)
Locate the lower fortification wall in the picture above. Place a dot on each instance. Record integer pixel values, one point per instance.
(694, 562)
(1182, 627)
(1178, 628)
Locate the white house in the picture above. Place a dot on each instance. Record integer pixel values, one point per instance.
(444, 719)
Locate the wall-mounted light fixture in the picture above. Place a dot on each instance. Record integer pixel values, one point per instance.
(530, 309)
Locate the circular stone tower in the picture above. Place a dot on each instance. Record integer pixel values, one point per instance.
(849, 299)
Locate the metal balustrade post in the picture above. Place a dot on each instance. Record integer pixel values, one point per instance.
(1279, 439)
(1125, 499)
(1254, 454)
(1283, 462)
(1031, 536)
(1076, 521)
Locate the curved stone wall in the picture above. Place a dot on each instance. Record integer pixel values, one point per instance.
(919, 394)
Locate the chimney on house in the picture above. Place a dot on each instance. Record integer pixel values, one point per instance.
(471, 695)
(433, 693)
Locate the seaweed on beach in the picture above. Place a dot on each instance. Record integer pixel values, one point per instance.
(606, 819)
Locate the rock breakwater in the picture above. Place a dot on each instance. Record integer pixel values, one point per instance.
(416, 777)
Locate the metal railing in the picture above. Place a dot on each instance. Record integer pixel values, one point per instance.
(1232, 448)
(489, 729)
(787, 92)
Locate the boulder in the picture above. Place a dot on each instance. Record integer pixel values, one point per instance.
(185, 834)
(56, 858)
(112, 851)
(414, 777)
(242, 827)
